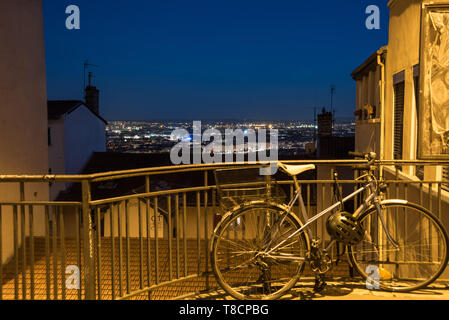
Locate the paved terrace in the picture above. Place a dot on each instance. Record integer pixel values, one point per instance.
(340, 285)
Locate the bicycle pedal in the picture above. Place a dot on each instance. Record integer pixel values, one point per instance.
(316, 243)
(320, 285)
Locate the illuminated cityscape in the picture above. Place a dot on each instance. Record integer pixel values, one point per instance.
(155, 137)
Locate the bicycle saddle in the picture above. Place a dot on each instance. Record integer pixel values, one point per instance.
(294, 170)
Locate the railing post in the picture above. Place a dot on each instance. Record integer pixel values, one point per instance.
(89, 264)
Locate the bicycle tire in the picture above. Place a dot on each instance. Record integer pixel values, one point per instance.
(239, 239)
(419, 260)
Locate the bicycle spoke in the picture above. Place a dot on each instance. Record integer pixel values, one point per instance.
(239, 261)
(420, 257)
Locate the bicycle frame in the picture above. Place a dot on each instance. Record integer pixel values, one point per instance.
(373, 196)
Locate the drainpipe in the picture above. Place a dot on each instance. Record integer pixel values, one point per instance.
(382, 107)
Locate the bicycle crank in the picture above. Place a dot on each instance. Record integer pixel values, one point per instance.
(319, 260)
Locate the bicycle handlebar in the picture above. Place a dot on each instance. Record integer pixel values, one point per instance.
(365, 167)
(357, 154)
(370, 157)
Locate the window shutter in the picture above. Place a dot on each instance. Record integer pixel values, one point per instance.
(398, 119)
(419, 169)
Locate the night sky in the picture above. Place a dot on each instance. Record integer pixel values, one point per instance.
(198, 60)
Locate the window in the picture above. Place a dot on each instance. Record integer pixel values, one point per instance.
(49, 136)
(399, 86)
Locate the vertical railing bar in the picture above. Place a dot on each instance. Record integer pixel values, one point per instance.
(16, 254)
(323, 190)
(170, 234)
(198, 213)
(1, 254)
(421, 202)
(332, 200)
(55, 253)
(127, 245)
(23, 240)
(405, 218)
(430, 226)
(139, 211)
(396, 185)
(78, 247)
(47, 251)
(177, 235)
(98, 222)
(62, 243)
(89, 260)
(421, 194)
(206, 238)
(439, 200)
(439, 211)
(396, 214)
(148, 219)
(354, 189)
(156, 240)
(111, 222)
(149, 271)
(184, 221)
(297, 201)
(308, 205)
(120, 258)
(214, 208)
(31, 225)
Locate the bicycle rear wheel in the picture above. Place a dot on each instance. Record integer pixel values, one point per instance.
(421, 254)
(252, 255)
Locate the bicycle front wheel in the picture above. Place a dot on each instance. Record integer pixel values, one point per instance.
(418, 257)
(258, 253)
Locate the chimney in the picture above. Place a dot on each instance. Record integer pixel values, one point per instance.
(325, 124)
(92, 96)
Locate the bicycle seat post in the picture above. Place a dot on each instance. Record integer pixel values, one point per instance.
(295, 181)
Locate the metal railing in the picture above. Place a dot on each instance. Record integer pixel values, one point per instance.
(142, 244)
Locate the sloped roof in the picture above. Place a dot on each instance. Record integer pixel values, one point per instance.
(57, 108)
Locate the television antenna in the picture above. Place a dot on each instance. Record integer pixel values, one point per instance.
(332, 97)
(333, 88)
(86, 66)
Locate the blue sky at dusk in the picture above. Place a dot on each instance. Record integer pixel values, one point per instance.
(198, 60)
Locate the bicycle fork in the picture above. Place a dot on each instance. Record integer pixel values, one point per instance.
(379, 208)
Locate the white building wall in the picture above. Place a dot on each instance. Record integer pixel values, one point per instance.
(56, 154)
(84, 134)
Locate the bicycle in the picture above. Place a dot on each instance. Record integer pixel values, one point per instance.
(259, 248)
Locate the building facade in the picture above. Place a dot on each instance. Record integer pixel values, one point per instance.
(402, 103)
(394, 115)
(75, 132)
(23, 108)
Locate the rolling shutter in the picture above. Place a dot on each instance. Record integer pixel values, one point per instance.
(399, 86)
(419, 169)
